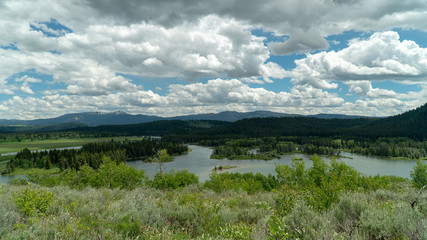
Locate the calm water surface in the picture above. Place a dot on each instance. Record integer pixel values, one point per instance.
(5, 179)
(198, 162)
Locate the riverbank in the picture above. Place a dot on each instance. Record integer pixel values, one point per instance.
(221, 168)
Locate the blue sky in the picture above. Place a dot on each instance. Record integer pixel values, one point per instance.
(178, 58)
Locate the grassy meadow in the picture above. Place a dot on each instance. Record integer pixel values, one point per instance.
(10, 147)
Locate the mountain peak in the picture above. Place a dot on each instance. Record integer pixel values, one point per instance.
(119, 112)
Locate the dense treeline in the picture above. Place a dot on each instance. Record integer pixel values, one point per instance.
(147, 147)
(28, 136)
(294, 126)
(37, 129)
(91, 154)
(63, 159)
(411, 124)
(157, 128)
(272, 147)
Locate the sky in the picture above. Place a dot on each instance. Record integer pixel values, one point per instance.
(181, 57)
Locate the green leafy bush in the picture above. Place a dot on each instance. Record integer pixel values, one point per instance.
(248, 182)
(33, 202)
(129, 227)
(112, 175)
(419, 175)
(321, 185)
(174, 180)
(109, 175)
(239, 231)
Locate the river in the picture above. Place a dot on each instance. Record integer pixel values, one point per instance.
(198, 162)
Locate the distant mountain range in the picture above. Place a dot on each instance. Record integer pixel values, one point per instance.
(122, 118)
(412, 124)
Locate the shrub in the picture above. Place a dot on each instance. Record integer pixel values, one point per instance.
(129, 227)
(238, 231)
(419, 175)
(321, 185)
(304, 223)
(248, 182)
(8, 216)
(277, 229)
(109, 175)
(33, 202)
(174, 180)
(346, 214)
(112, 175)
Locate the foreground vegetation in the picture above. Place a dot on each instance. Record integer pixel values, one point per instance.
(118, 202)
(197, 213)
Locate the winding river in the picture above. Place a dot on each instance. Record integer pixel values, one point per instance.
(198, 162)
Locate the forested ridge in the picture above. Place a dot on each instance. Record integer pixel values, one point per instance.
(412, 124)
(158, 128)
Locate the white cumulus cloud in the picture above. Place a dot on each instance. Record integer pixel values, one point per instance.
(380, 57)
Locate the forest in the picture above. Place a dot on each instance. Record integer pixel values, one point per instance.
(91, 154)
(268, 148)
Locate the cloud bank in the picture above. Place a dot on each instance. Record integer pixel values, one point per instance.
(90, 49)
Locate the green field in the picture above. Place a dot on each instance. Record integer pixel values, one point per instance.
(34, 171)
(10, 147)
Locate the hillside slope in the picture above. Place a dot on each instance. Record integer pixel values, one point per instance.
(411, 124)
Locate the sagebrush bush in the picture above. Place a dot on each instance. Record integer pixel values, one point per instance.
(393, 220)
(347, 213)
(8, 216)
